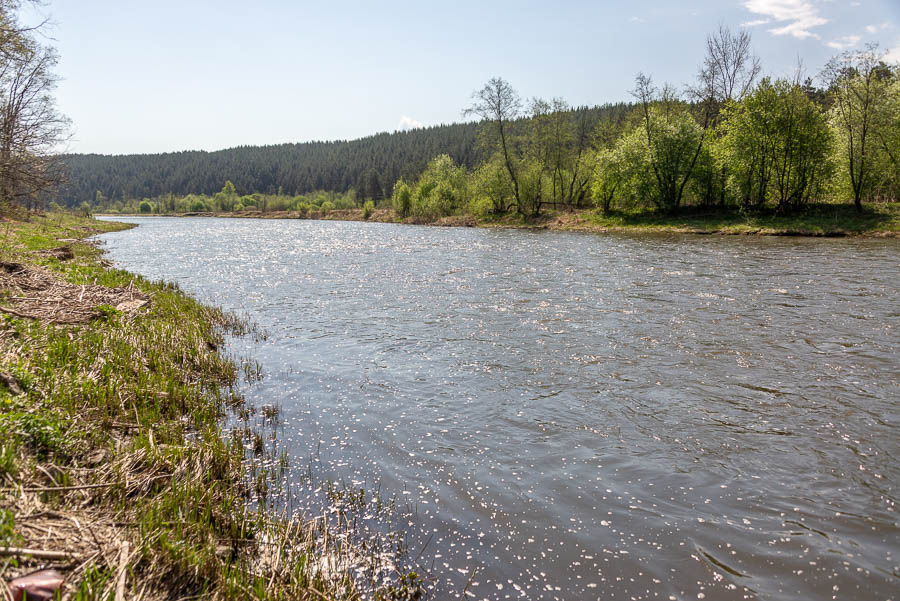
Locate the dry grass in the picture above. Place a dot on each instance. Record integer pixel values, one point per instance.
(114, 465)
(36, 293)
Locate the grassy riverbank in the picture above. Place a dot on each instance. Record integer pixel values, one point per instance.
(822, 219)
(877, 220)
(115, 467)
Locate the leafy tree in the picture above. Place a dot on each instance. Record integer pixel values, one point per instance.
(492, 187)
(146, 207)
(610, 178)
(673, 142)
(441, 191)
(727, 74)
(779, 146)
(226, 199)
(558, 140)
(402, 198)
(859, 88)
(887, 165)
(497, 103)
(30, 126)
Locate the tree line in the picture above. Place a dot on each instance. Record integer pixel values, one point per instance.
(732, 140)
(370, 166)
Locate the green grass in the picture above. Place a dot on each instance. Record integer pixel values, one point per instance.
(815, 220)
(136, 402)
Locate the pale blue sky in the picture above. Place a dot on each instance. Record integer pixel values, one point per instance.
(168, 75)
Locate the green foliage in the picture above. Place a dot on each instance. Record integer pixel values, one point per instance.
(42, 433)
(492, 188)
(145, 206)
(441, 191)
(344, 202)
(368, 207)
(371, 164)
(735, 142)
(672, 140)
(863, 93)
(610, 178)
(93, 585)
(402, 198)
(532, 186)
(778, 146)
(8, 535)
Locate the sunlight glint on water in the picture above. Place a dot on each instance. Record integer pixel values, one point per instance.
(578, 416)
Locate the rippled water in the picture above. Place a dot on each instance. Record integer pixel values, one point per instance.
(580, 416)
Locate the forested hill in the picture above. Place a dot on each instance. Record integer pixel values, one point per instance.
(371, 165)
(374, 162)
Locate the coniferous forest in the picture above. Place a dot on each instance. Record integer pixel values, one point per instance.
(733, 140)
(369, 165)
(374, 162)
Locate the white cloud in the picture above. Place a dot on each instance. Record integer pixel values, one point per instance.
(798, 16)
(877, 28)
(756, 22)
(893, 54)
(848, 41)
(408, 123)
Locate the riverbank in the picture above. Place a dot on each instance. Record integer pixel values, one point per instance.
(118, 473)
(821, 220)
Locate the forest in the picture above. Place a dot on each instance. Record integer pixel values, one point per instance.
(369, 166)
(734, 139)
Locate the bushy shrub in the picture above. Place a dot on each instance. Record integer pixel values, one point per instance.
(402, 198)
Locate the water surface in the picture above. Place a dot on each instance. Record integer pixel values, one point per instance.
(573, 416)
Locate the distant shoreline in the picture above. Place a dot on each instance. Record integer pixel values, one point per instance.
(823, 221)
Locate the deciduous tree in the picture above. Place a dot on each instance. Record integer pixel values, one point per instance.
(859, 88)
(497, 103)
(31, 129)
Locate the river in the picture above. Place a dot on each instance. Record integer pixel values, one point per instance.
(578, 416)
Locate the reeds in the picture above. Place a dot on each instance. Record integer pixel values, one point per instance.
(113, 454)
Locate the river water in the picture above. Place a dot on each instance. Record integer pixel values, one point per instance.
(575, 416)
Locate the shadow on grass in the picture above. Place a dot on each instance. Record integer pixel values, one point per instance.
(821, 219)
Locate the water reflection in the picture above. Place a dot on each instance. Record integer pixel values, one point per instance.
(568, 416)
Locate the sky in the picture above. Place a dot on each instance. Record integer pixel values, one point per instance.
(172, 75)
